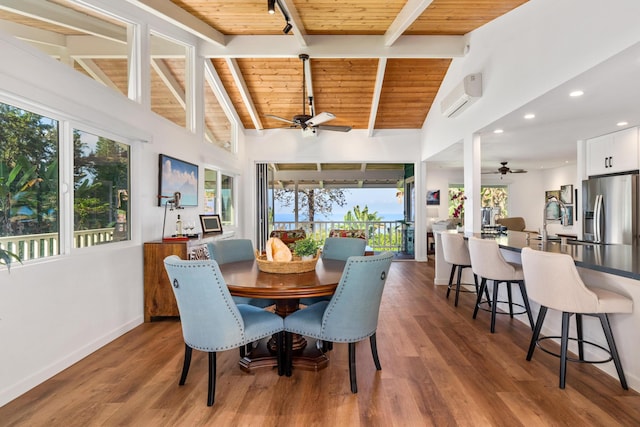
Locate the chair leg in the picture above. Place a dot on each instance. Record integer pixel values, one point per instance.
(604, 320)
(510, 298)
(483, 287)
(525, 300)
(536, 331)
(185, 365)
(460, 268)
(374, 351)
(580, 336)
(564, 344)
(494, 307)
(453, 272)
(475, 282)
(352, 367)
(212, 378)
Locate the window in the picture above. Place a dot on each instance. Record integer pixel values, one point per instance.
(168, 81)
(227, 211)
(218, 128)
(28, 183)
(101, 190)
(219, 195)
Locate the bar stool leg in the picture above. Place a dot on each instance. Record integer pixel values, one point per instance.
(536, 331)
(564, 344)
(604, 320)
(483, 287)
(453, 272)
(510, 298)
(525, 300)
(580, 336)
(460, 268)
(494, 307)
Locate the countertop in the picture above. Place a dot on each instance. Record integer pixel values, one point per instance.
(620, 260)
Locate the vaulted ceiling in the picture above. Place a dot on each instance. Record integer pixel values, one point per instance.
(374, 64)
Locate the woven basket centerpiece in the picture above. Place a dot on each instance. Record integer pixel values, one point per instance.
(296, 265)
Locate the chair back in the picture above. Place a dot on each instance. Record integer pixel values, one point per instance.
(454, 249)
(352, 313)
(553, 281)
(488, 262)
(341, 248)
(210, 319)
(231, 250)
(289, 237)
(355, 234)
(515, 223)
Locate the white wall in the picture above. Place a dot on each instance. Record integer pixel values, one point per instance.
(526, 53)
(53, 312)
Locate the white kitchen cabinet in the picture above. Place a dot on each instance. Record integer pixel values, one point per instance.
(612, 153)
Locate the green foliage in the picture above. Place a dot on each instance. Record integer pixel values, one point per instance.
(489, 197)
(6, 258)
(311, 201)
(306, 247)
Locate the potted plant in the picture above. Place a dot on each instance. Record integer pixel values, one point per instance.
(306, 248)
(6, 258)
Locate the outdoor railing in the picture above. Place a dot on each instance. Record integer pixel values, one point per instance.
(396, 236)
(32, 246)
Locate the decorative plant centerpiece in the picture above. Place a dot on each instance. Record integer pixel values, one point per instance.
(306, 248)
(456, 206)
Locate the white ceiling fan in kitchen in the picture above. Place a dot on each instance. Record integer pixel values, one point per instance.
(310, 123)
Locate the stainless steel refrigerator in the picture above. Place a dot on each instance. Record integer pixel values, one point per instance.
(610, 209)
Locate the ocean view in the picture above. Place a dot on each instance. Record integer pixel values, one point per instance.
(289, 217)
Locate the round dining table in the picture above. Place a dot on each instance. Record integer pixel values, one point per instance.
(244, 279)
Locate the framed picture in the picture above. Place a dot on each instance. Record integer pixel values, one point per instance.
(551, 193)
(211, 223)
(177, 176)
(568, 220)
(433, 197)
(566, 194)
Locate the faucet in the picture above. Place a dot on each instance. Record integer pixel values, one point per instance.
(563, 213)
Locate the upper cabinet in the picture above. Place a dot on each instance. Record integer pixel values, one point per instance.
(612, 153)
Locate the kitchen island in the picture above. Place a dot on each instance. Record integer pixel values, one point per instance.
(612, 267)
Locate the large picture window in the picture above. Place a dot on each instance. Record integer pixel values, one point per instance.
(29, 211)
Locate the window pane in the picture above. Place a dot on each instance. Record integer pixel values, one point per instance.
(168, 60)
(28, 183)
(227, 213)
(210, 189)
(101, 190)
(217, 124)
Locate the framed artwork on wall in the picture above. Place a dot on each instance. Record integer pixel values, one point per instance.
(433, 197)
(177, 176)
(566, 194)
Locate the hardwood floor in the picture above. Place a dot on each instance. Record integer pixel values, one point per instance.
(439, 367)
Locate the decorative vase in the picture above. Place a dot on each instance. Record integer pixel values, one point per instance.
(460, 228)
(306, 257)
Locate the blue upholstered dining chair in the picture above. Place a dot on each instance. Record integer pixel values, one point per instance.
(233, 250)
(338, 248)
(211, 321)
(352, 313)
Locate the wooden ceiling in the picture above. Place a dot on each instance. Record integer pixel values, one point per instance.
(374, 64)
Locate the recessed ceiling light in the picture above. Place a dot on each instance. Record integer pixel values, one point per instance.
(529, 116)
(622, 123)
(498, 131)
(576, 93)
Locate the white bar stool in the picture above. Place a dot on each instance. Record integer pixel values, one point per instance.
(554, 282)
(488, 263)
(456, 253)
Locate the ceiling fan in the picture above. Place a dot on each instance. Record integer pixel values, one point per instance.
(309, 123)
(503, 170)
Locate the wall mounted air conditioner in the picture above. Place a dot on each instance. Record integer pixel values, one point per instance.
(462, 96)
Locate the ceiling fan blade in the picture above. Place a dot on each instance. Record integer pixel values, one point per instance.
(280, 118)
(518, 171)
(320, 118)
(335, 128)
(487, 173)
